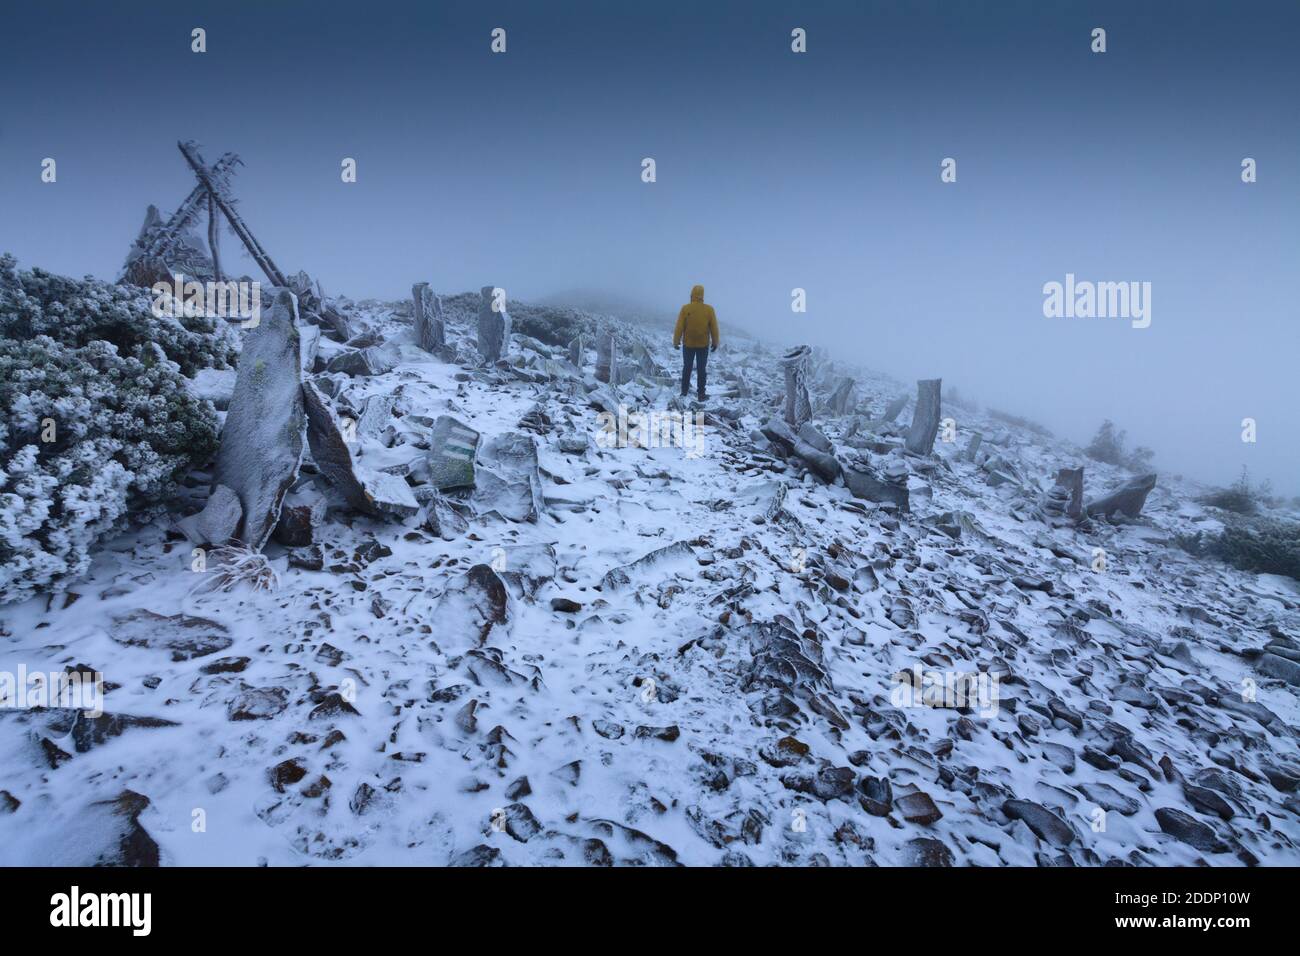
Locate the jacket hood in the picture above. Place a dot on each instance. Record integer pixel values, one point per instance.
(697, 293)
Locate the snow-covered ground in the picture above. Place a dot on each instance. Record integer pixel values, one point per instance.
(733, 700)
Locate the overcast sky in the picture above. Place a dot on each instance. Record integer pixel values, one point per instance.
(775, 171)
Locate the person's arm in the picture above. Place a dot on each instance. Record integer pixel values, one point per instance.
(713, 329)
(681, 327)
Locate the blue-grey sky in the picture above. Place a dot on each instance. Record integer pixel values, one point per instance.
(775, 170)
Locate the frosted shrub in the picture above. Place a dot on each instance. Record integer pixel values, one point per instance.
(76, 312)
(93, 431)
(1259, 544)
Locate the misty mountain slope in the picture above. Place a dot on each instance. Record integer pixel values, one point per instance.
(669, 655)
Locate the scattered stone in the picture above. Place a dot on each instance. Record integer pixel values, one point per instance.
(365, 362)
(1108, 798)
(481, 855)
(225, 665)
(517, 821)
(1184, 827)
(258, 703)
(926, 851)
(184, 636)
(828, 783)
(109, 833)
(876, 795)
(1045, 824)
(286, 773)
(301, 516)
(310, 558)
(667, 734)
(332, 705)
(918, 808)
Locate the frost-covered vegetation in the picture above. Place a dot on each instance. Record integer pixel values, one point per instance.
(1109, 446)
(1263, 544)
(96, 420)
(1241, 497)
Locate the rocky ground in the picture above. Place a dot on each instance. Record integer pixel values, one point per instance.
(496, 640)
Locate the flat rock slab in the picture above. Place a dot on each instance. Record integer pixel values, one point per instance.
(262, 439)
(918, 808)
(1272, 665)
(184, 636)
(1186, 828)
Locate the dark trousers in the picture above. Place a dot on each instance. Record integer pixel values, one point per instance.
(700, 357)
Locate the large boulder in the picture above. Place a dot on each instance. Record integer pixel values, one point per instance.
(607, 357)
(493, 327)
(1127, 499)
(262, 441)
(508, 481)
(430, 329)
(925, 418)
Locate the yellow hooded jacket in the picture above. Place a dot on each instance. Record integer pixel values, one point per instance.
(697, 326)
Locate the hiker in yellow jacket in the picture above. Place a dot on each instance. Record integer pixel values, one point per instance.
(696, 334)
